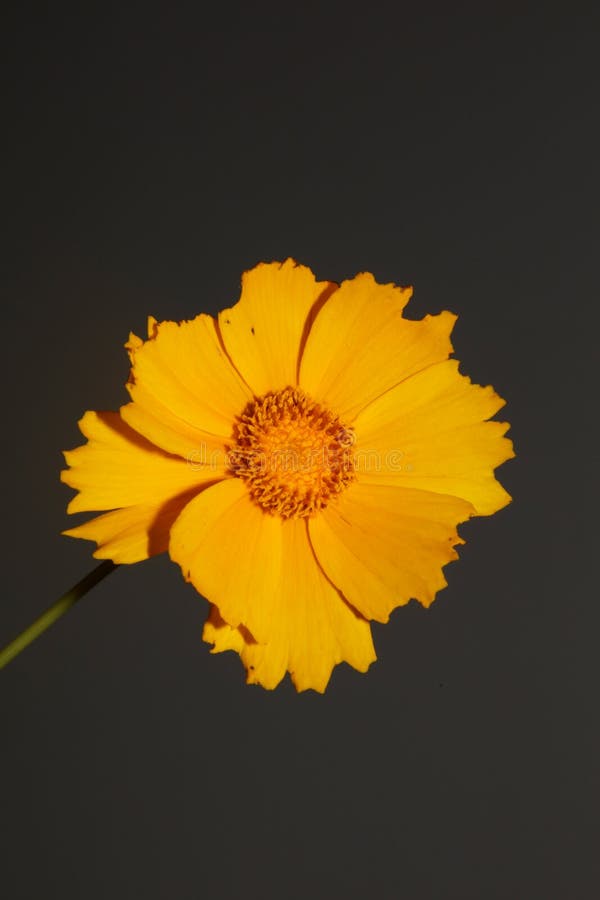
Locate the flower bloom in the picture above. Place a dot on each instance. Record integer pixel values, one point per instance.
(305, 458)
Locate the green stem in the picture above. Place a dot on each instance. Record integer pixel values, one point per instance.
(54, 612)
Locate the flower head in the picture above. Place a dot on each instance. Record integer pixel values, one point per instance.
(305, 458)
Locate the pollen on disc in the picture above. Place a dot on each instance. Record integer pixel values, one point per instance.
(293, 454)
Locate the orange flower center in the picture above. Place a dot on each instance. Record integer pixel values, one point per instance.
(293, 454)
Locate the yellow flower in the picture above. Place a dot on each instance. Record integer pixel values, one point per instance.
(305, 458)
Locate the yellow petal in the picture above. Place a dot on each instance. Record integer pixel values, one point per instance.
(429, 432)
(118, 467)
(360, 345)
(134, 533)
(231, 552)
(312, 627)
(158, 424)
(264, 331)
(182, 375)
(383, 546)
(322, 629)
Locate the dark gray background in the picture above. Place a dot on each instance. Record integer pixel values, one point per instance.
(154, 153)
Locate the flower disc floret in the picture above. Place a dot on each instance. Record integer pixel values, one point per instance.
(293, 454)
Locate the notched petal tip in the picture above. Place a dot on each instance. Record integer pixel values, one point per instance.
(152, 327)
(132, 344)
(368, 281)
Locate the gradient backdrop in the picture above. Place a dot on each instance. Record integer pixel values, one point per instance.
(154, 153)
